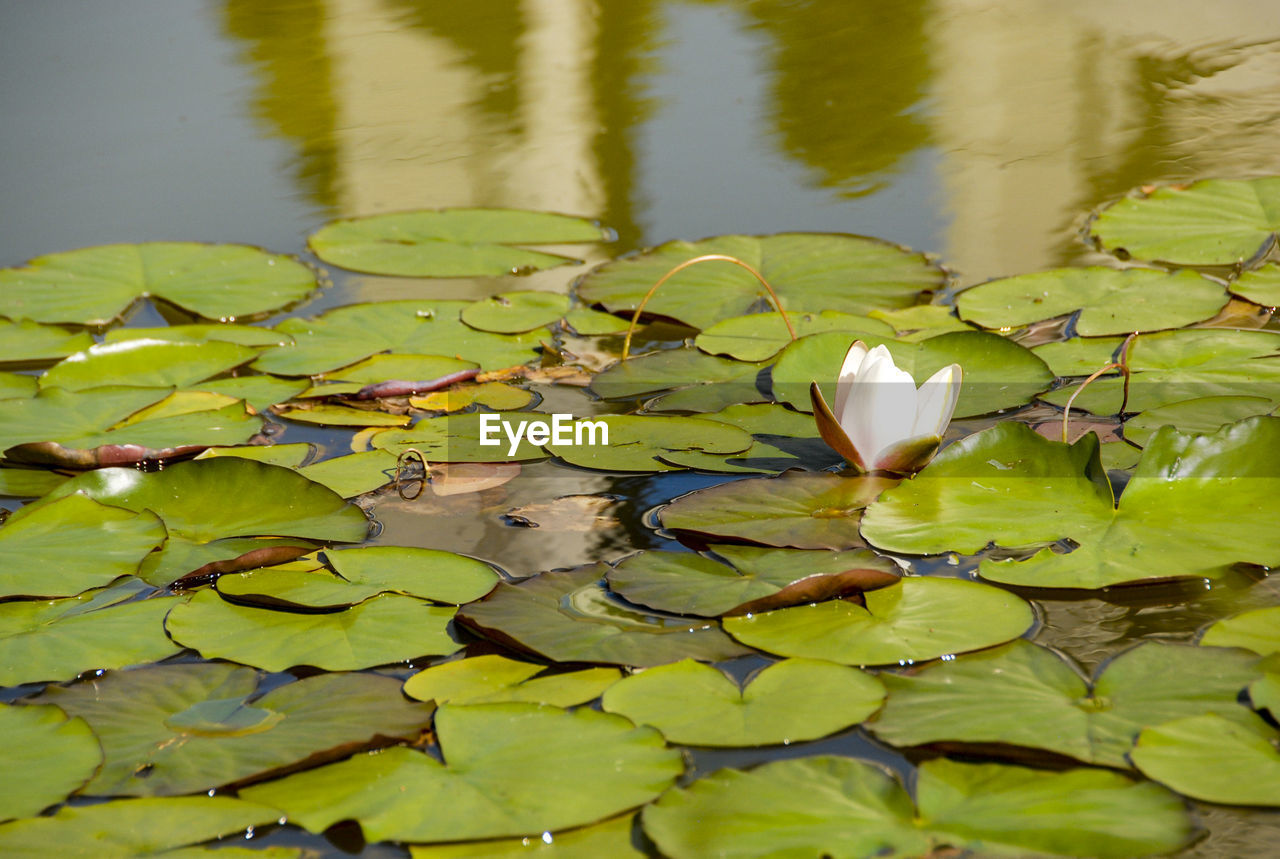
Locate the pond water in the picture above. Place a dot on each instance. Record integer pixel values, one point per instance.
(982, 134)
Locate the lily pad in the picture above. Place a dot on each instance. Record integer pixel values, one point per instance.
(245, 335)
(181, 728)
(261, 392)
(24, 341)
(365, 572)
(760, 336)
(494, 679)
(1022, 694)
(494, 396)
(553, 769)
(128, 828)
(353, 474)
(921, 321)
(921, 617)
(1185, 511)
(72, 544)
(47, 756)
(679, 369)
(1172, 366)
(611, 838)
(1110, 301)
(17, 385)
(799, 510)
(635, 442)
(58, 640)
(29, 482)
(1203, 415)
(286, 455)
(789, 701)
(204, 501)
(753, 579)
(513, 312)
(569, 617)
(345, 335)
(851, 274)
(93, 286)
(145, 364)
(384, 368)
(998, 373)
(331, 415)
(1212, 222)
(383, 629)
(587, 322)
(846, 808)
(458, 438)
(1261, 286)
(1257, 630)
(1213, 759)
(450, 242)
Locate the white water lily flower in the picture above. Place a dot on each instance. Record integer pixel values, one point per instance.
(881, 422)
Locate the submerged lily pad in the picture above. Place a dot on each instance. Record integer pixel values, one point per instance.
(47, 756)
(24, 341)
(93, 286)
(636, 441)
(998, 373)
(1211, 222)
(799, 510)
(921, 617)
(842, 807)
(1110, 301)
(753, 579)
(760, 336)
(1213, 759)
(513, 312)
(383, 629)
(182, 728)
(552, 768)
(570, 617)
(128, 828)
(72, 544)
(1022, 694)
(345, 335)
(851, 274)
(57, 640)
(494, 679)
(450, 242)
(789, 701)
(1185, 511)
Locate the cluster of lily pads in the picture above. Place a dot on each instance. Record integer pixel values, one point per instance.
(187, 608)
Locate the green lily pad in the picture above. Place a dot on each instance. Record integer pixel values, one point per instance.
(286, 455)
(345, 335)
(921, 617)
(753, 579)
(921, 321)
(494, 679)
(261, 392)
(786, 702)
(1172, 366)
(845, 808)
(1265, 691)
(1212, 222)
(145, 364)
(1203, 415)
(1213, 759)
(784, 439)
(459, 438)
(1022, 694)
(128, 828)
(851, 274)
(58, 640)
(1184, 512)
(998, 373)
(635, 441)
(29, 482)
(492, 396)
(611, 838)
(365, 572)
(24, 341)
(569, 617)
(760, 336)
(382, 629)
(327, 414)
(245, 335)
(553, 769)
(182, 728)
(353, 474)
(384, 368)
(587, 322)
(17, 385)
(93, 286)
(450, 242)
(706, 376)
(196, 562)
(514, 312)
(1110, 301)
(1257, 630)
(72, 544)
(47, 757)
(1261, 286)
(799, 510)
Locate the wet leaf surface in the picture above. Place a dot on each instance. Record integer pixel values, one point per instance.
(24, 341)
(514, 312)
(495, 679)
(760, 336)
(1214, 759)
(47, 757)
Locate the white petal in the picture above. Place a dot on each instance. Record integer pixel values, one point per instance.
(938, 397)
(882, 406)
(848, 372)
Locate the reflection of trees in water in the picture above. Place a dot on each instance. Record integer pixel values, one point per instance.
(848, 80)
